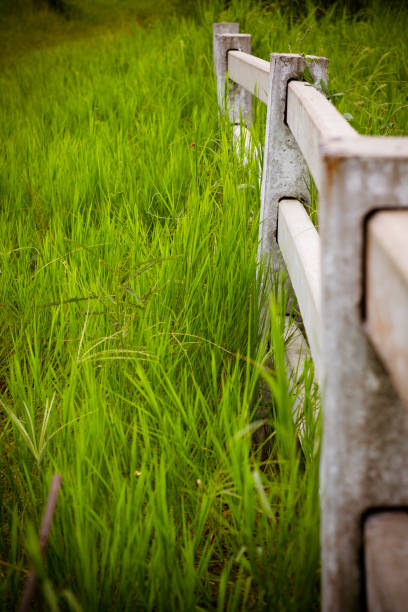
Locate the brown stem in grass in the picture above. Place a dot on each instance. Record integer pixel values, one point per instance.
(31, 583)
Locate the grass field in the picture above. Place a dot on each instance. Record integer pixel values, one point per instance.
(129, 347)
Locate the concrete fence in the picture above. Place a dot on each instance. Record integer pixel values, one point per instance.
(351, 284)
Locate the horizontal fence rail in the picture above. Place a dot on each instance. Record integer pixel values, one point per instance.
(351, 283)
(386, 299)
(300, 246)
(313, 120)
(250, 72)
(385, 555)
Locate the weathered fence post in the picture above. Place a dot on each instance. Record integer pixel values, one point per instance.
(285, 172)
(239, 101)
(364, 463)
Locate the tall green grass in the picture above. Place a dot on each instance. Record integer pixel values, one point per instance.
(130, 347)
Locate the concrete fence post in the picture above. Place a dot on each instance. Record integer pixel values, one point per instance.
(364, 459)
(364, 462)
(239, 101)
(285, 172)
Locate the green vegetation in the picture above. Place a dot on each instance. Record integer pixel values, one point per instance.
(130, 357)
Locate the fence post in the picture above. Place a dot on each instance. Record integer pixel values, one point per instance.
(364, 462)
(285, 172)
(226, 38)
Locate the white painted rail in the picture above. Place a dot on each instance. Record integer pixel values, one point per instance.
(250, 72)
(300, 246)
(313, 121)
(387, 292)
(385, 554)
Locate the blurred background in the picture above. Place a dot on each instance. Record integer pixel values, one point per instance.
(26, 24)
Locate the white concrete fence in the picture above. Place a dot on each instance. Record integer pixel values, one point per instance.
(351, 283)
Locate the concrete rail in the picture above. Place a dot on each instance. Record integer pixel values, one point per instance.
(386, 297)
(313, 121)
(300, 245)
(250, 72)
